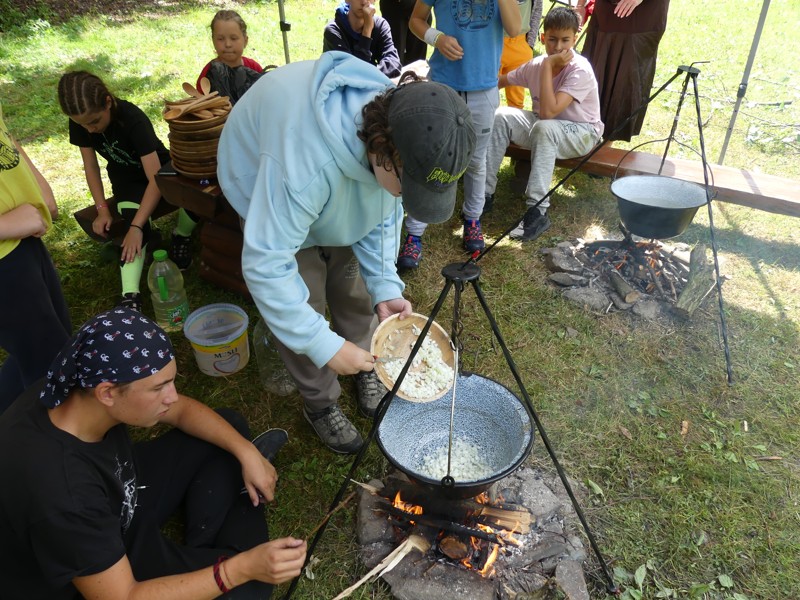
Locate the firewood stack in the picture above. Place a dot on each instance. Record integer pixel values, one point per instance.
(195, 124)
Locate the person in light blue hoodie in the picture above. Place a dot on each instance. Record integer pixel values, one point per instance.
(317, 177)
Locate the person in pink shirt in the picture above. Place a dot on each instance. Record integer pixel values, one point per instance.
(564, 123)
(229, 34)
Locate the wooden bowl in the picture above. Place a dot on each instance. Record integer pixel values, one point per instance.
(195, 173)
(199, 135)
(198, 165)
(395, 338)
(200, 155)
(193, 146)
(189, 123)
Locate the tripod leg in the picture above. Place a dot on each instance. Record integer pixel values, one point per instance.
(675, 118)
(611, 586)
(723, 322)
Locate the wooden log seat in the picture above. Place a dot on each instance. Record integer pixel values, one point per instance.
(116, 233)
(737, 186)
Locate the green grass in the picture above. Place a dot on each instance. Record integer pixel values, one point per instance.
(700, 514)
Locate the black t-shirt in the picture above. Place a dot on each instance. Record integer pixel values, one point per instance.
(128, 137)
(65, 503)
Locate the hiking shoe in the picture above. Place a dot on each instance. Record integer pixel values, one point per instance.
(270, 442)
(335, 430)
(411, 253)
(488, 203)
(132, 300)
(532, 226)
(473, 236)
(181, 251)
(370, 391)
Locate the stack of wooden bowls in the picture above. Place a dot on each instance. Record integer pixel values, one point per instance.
(195, 125)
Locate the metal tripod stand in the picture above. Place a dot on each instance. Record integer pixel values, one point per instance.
(457, 277)
(691, 72)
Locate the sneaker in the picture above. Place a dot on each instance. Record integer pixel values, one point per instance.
(473, 236)
(411, 253)
(532, 226)
(335, 430)
(132, 300)
(488, 203)
(370, 392)
(181, 251)
(270, 442)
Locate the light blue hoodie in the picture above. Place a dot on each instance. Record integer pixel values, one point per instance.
(290, 163)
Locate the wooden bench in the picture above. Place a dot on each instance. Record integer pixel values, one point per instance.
(116, 233)
(737, 186)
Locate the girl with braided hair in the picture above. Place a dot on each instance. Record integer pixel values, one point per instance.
(119, 131)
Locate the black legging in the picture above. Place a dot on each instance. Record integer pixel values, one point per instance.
(409, 47)
(177, 470)
(34, 320)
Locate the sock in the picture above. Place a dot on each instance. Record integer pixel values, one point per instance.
(131, 273)
(186, 224)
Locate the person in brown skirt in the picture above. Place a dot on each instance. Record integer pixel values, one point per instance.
(622, 45)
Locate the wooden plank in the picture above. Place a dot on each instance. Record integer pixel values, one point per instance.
(737, 186)
(190, 194)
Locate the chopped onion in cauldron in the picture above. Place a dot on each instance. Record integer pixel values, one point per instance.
(466, 463)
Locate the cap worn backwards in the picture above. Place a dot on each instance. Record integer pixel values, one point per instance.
(118, 346)
(433, 132)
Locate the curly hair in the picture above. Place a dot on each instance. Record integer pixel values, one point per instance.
(375, 130)
(80, 92)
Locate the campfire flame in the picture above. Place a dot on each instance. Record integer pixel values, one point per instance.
(477, 547)
(411, 509)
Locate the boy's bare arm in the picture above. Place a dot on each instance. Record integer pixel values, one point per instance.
(447, 45)
(551, 103)
(510, 17)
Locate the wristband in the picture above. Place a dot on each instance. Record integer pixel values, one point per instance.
(101, 205)
(431, 36)
(218, 578)
(137, 227)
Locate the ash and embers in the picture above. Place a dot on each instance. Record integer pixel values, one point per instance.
(549, 556)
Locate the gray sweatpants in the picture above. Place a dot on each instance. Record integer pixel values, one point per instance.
(547, 139)
(482, 105)
(333, 278)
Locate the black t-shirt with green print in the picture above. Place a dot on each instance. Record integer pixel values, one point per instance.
(128, 137)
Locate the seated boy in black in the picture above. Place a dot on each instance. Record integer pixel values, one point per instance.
(357, 30)
(82, 506)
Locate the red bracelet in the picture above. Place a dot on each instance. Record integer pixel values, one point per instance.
(218, 578)
(101, 205)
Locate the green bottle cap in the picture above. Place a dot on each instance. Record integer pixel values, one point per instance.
(160, 255)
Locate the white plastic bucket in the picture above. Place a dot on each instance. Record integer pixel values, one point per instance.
(218, 334)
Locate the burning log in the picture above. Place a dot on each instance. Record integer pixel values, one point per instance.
(512, 517)
(701, 283)
(453, 548)
(622, 287)
(440, 524)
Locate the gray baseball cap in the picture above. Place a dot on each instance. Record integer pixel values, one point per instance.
(433, 132)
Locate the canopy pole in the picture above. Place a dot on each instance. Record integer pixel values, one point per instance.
(285, 27)
(745, 77)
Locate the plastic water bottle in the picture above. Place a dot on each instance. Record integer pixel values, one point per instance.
(271, 370)
(166, 287)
